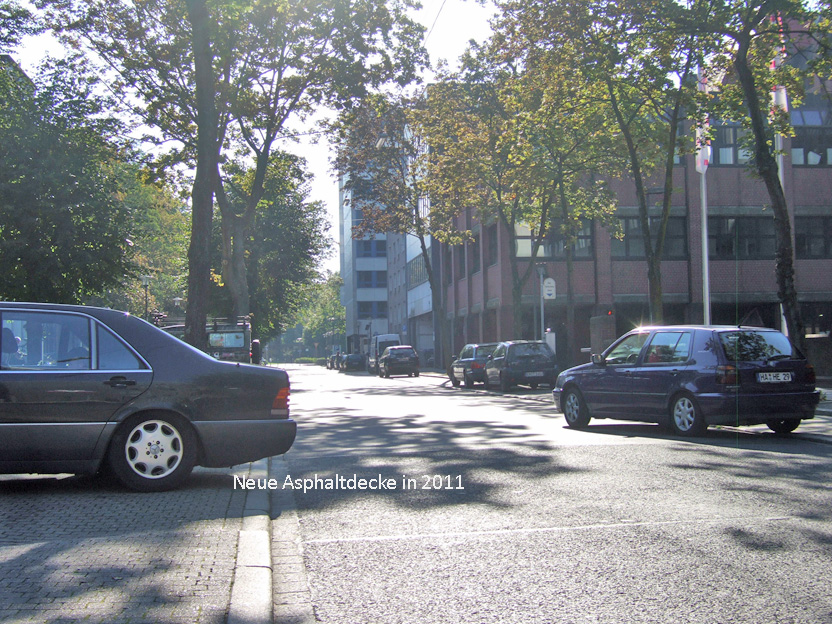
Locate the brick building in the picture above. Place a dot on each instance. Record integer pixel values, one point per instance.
(610, 276)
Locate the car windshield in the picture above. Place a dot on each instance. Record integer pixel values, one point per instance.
(532, 349)
(485, 350)
(755, 346)
(401, 353)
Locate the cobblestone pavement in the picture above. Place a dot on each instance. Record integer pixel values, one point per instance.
(83, 549)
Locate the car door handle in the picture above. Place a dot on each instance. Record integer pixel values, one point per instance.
(120, 382)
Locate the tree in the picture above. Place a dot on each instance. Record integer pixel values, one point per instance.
(289, 240)
(237, 72)
(756, 41)
(522, 148)
(64, 228)
(634, 72)
(323, 317)
(384, 162)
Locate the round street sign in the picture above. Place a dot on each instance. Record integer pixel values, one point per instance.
(549, 288)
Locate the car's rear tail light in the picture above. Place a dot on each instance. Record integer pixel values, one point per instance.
(727, 375)
(477, 365)
(810, 374)
(280, 406)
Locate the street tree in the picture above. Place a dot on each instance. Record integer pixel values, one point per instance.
(634, 73)
(288, 242)
(518, 148)
(224, 79)
(64, 227)
(763, 50)
(384, 162)
(323, 317)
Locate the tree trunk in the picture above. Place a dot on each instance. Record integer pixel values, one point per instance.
(766, 167)
(202, 193)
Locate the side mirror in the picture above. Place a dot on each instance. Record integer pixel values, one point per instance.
(598, 359)
(454, 359)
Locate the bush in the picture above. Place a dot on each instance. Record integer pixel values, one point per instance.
(311, 360)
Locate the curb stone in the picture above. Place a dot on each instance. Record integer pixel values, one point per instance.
(252, 584)
(292, 595)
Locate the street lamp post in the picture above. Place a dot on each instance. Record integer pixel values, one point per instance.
(146, 286)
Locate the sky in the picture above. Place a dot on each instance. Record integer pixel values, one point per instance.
(450, 25)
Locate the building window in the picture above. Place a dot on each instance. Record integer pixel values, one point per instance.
(726, 148)
(372, 309)
(524, 240)
(475, 254)
(491, 249)
(372, 279)
(813, 237)
(371, 248)
(741, 238)
(632, 246)
(460, 261)
(812, 146)
(417, 272)
(582, 245)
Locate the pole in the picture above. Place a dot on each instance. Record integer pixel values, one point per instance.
(542, 321)
(706, 280)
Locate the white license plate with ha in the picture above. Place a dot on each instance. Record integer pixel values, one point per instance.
(774, 377)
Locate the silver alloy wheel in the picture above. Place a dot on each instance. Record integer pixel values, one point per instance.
(154, 449)
(572, 408)
(684, 414)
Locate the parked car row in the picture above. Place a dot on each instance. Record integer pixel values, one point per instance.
(345, 362)
(683, 377)
(504, 365)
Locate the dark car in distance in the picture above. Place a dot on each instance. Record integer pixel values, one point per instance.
(469, 367)
(399, 360)
(521, 362)
(353, 362)
(85, 388)
(690, 377)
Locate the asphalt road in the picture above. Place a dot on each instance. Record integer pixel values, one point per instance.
(501, 514)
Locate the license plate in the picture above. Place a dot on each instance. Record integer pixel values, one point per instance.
(538, 374)
(774, 377)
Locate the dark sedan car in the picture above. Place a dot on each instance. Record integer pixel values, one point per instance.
(469, 367)
(353, 362)
(83, 388)
(398, 360)
(521, 362)
(689, 377)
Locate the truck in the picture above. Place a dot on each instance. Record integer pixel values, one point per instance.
(229, 339)
(377, 346)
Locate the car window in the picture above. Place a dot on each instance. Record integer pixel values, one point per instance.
(755, 346)
(113, 354)
(484, 351)
(500, 351)
(402, 352)
(531, 349)
(467, 352)
(45, 341)
(626, 351)
(668, 348)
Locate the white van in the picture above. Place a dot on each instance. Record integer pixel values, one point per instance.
(377, 346)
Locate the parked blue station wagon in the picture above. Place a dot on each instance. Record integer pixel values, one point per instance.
(690, 377)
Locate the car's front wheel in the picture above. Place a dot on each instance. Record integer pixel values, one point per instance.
(153, 452)
(574, 409)
(685, 416)
(783, 425)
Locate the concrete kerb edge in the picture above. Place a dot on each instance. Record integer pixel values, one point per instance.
(251, 590)
(292, 592)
